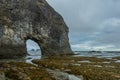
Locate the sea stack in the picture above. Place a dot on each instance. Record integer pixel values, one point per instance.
(21, 20)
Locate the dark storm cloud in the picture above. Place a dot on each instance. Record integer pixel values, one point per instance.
(92, 23)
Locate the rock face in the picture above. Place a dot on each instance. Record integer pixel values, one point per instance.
(21, 20)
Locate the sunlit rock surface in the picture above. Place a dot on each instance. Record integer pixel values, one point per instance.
(21, 20)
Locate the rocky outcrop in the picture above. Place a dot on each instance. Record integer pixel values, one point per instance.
(21, 20)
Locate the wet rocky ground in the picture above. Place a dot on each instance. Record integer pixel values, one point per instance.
(62, 68)
(85, 68)
(19, 70)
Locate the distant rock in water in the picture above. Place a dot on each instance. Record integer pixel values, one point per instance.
(21, 20)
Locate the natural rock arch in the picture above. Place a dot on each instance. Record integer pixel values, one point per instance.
(21, 20)
(32, 47)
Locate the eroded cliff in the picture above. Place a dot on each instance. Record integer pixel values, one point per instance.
(21, 20)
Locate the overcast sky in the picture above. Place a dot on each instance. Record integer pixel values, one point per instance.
(93, 24)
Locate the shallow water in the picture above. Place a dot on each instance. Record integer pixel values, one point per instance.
(85, 61)
(32, 56)
(73, 77)
(99, 55)
(118, 61)
(37, 55)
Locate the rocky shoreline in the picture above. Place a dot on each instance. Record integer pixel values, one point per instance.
(62, 68)
(26, 71)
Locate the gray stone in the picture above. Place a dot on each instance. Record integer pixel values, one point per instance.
(2, 76)
(21, 20)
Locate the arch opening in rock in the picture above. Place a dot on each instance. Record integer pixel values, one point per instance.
(33, 48)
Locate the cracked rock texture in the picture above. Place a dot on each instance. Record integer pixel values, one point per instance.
(21, 20)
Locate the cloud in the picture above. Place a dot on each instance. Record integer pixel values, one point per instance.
(109, 33)
(92, 23)
(88, 47)
(85, 15)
